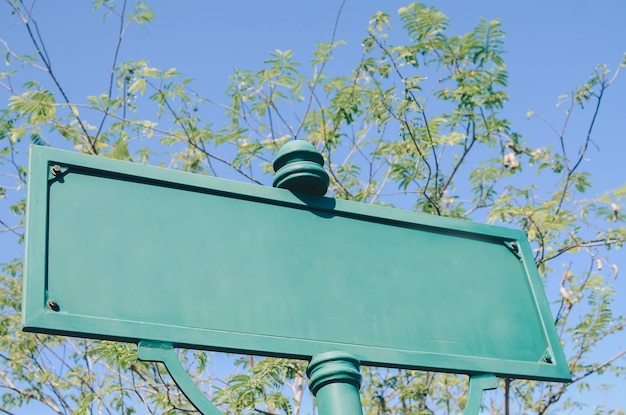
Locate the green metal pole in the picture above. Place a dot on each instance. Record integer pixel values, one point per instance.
(335, 380)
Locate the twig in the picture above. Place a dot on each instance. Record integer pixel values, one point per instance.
(122, 31)
(11, 228)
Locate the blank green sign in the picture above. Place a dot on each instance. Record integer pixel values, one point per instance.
(127, 252)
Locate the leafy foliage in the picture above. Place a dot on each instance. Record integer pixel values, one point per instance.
(418, 123)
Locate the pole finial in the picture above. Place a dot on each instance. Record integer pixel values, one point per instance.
(299, 168)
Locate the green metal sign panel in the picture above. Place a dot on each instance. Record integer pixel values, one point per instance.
(126, 252)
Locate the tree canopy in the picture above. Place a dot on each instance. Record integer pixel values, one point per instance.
(418, 123)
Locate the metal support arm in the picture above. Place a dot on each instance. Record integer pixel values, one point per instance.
(164, 353)
(478, 384)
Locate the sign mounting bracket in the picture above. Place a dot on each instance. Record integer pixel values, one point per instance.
(477, 385)
(163, 352)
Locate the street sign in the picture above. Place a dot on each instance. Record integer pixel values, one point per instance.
(125, 252)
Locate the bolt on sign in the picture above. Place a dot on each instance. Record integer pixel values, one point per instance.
(132, 253)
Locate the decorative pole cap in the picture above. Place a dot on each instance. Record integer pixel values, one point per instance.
(299, 168)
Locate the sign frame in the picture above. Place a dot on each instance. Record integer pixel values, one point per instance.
(44, 308)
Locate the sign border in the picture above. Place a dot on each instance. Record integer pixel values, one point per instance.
(38, 318)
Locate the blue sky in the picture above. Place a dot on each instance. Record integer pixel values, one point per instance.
(552, 47)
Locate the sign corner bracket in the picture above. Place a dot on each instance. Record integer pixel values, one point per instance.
(163, 352)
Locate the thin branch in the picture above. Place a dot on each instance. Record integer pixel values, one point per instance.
(422, 112)
(585, 244)
(318, 75)
(269, 102)
(41, 49)
(20, 58)
(598, 367)
(326, 147)
(406, 125)
(11, 229)
(118, 45)
(590, 129)
(460, 161)
(583, 151)
(200, 147)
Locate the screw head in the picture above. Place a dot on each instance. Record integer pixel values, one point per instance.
(55, 170)
(547, 357)
(53, 305)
